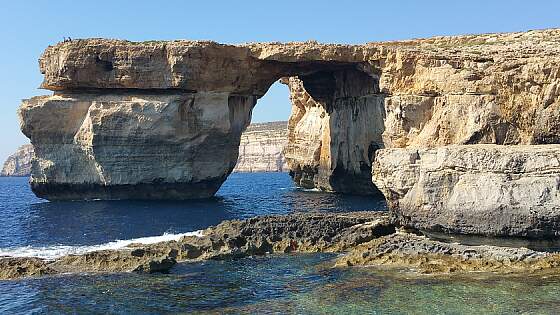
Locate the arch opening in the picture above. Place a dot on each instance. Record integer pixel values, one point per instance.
(335, 124)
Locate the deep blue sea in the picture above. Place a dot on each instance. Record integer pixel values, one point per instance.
(293, 284)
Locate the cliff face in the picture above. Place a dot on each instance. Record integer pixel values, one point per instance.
(163, 119)
(261, 148)
(474, 189)
(19, 163)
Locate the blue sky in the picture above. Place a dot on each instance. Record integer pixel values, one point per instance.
(27, 27)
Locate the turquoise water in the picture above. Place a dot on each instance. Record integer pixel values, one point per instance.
(277, 284)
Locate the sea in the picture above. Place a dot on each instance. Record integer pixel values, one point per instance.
(273, 284)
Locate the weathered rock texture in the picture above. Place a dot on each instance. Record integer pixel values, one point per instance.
(432, 257)
(363, 238)
(19, 163)
(165, 102)
(311, 232)
(261, 148)
(473, 189)
(130, 144)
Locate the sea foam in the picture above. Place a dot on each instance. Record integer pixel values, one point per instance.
(57, 251)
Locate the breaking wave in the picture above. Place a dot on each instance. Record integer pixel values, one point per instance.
(56, 251)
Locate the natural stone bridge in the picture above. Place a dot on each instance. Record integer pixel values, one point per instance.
(162, 120)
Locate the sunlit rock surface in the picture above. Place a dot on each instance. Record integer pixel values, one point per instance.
(423, 255)
(130, 145)
(473, 189)
(348, 101)
(19, 163)
(261, 148)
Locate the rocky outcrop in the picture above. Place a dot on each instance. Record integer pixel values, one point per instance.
(21, 267)
(19, 163)
(261, 148)
(331, 139)
(161, 102)
(473, 189)
(126, 144)
(310, 232)
(361, 238)
(418, 253)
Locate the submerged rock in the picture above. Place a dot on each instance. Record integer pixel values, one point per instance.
(427, 256)
(473, 189)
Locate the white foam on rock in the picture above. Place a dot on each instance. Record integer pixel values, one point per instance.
(57, 251)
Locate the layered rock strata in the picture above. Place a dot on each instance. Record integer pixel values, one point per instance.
(473, 189)
(130, 144)
(261, 148)
(19, 163)
(348, 101)
(362, 239)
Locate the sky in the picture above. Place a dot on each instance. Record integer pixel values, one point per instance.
(27, 27)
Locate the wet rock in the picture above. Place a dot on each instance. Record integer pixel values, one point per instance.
(147, 259)
(420, 254)
(473, 189)
(230, 239)
(298, 232)
(20, 267)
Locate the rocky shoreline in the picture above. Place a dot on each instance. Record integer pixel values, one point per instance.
(362, 239)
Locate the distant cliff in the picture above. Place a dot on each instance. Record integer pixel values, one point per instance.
(19, 163)
(261, 148)
(260, 151)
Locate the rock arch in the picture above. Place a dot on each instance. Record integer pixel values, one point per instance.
(162, 120)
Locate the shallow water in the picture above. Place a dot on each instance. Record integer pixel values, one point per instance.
(301, 284)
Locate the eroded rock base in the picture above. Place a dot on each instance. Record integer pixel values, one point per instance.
(155, 191)
(481, 189)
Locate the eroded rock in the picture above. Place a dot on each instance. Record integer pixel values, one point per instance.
(230, 239)
(348, 101)
(20, 267)
(473, 189)
(423, 255)
(123, 145)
